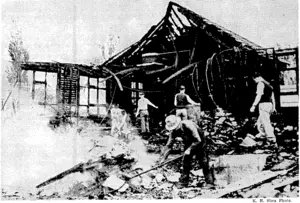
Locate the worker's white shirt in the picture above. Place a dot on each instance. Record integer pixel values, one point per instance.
(260, 88)
(143, 103)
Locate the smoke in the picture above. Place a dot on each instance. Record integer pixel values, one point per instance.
(31, 152)
(144, 159)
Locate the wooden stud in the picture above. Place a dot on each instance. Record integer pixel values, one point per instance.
(45, 98)
(176, 15)
(33, 85)
(58, 93)
(78, 94)
(277, 88)
(69, 82)
(297, 69)
(63, 80)
(97, 96)
(173, 22)
(88, 108)
(194, 48)
(193, 24)
(197, 79)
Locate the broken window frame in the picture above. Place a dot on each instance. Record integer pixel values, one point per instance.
(138, 86)
(88, 87)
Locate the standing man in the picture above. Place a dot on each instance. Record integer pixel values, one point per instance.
(181, 101)
(265, 101)
(194, 144)
(143, 111)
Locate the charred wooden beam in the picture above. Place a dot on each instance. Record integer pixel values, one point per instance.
(116, 78)
(193, 24)
(84, 70)
(175, 25)
(194, 48)
(58, 89)
(93, 87)
(45, 99)
(97, 96)
(179, 72)
(141, 90)
(200, 24)
(100, 105)
(88, 101)
(176, 15)
(148, 35)
(234, 39)
(159, 70)
(70, 85)
(177, 55)
(33, 85)
(123, 72)
(39, 67)
(63, 82)
(39, 82)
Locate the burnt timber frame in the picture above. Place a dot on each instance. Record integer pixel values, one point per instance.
(68, 87)
(221, 73)
(228, 76)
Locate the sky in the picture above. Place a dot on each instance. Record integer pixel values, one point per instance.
(47, 25)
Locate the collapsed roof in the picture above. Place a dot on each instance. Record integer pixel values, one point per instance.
(178, 24)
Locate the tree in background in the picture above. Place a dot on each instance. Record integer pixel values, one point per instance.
(107, 50)
(18, 55)
(15, 75)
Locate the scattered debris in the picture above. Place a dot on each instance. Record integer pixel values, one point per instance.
(197, 172)
(172, 177)
(285, 164)
(159, 178)
(238, 174)
(248, 141)
(114, 182)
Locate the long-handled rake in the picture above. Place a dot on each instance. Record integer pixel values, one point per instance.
(127, 178)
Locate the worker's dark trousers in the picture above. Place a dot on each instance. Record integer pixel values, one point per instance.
(200, 152)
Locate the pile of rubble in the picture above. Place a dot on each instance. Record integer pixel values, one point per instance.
(157, 184)
(107, 158)
(107, 181)
(110, 161)
(226, 135)
(101, 177)
(222, 131)
(284, 184)
(156, 143)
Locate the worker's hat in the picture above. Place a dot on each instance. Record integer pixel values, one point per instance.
(172, 122)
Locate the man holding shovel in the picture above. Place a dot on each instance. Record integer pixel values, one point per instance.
(194, 143)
